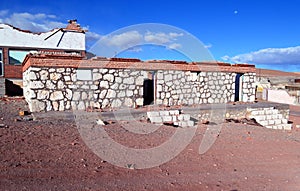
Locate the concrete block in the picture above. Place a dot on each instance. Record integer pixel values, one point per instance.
(180, 117)
(284, 121)
(287, 126)
(190, 123)
(279, 116)
(183, 124)
(152, 114)
(174, 112)
(164, 113)
(174, 118)
(264, 123)
(277, 121)
(186, 117)
(255, 112)
(156, 120)
(167, 118)
(269, 112)
(269, 126)
(260, 118)
(271, 122)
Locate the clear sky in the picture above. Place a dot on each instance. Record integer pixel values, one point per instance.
(261, 32)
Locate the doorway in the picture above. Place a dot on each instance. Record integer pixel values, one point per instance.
(148, 91)
(238, 87)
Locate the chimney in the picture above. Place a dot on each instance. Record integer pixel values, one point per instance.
(73, 25)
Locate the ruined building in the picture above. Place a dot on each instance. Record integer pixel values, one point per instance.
(16, 43)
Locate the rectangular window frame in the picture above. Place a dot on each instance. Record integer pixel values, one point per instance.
(20, 50)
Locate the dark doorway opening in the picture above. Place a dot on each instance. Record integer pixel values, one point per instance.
(237, 93)
(148, 91)
(12, 89)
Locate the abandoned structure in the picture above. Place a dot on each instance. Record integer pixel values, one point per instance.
(16, 43)
(64, 82)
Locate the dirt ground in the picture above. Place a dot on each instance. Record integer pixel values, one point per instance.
(49, 154)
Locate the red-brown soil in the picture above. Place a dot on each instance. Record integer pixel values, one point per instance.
(49, 154)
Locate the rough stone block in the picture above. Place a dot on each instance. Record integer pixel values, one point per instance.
(183, 124)
(140, 101)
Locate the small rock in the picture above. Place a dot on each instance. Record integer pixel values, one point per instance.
(100, 122)
(23, 113)
(18, 119)
(28, 118)
(297, 126)
(3, 126)
(130, 166)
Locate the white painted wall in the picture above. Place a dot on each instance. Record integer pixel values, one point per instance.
(280, 96)
(71, 40)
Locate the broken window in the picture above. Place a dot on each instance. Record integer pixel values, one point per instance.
(16, 57)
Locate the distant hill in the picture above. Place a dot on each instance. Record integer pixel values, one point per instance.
(274, 73)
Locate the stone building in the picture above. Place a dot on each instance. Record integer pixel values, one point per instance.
(16, 43)
(64, 82)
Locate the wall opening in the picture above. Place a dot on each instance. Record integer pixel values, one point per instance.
(238, 87)
(148, 91)
(12, 89)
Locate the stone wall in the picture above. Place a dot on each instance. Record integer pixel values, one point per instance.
(62, 82)
(179, 87)
(60, 89)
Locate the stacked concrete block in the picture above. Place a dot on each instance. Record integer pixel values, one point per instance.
(170, 117)
(270, 118)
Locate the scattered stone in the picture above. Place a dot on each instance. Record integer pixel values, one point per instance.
(100, 122)
(130, 166)
(23, 113)
(28, 118)
(3, 125)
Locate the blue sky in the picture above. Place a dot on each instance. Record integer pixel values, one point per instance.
(261, 32)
